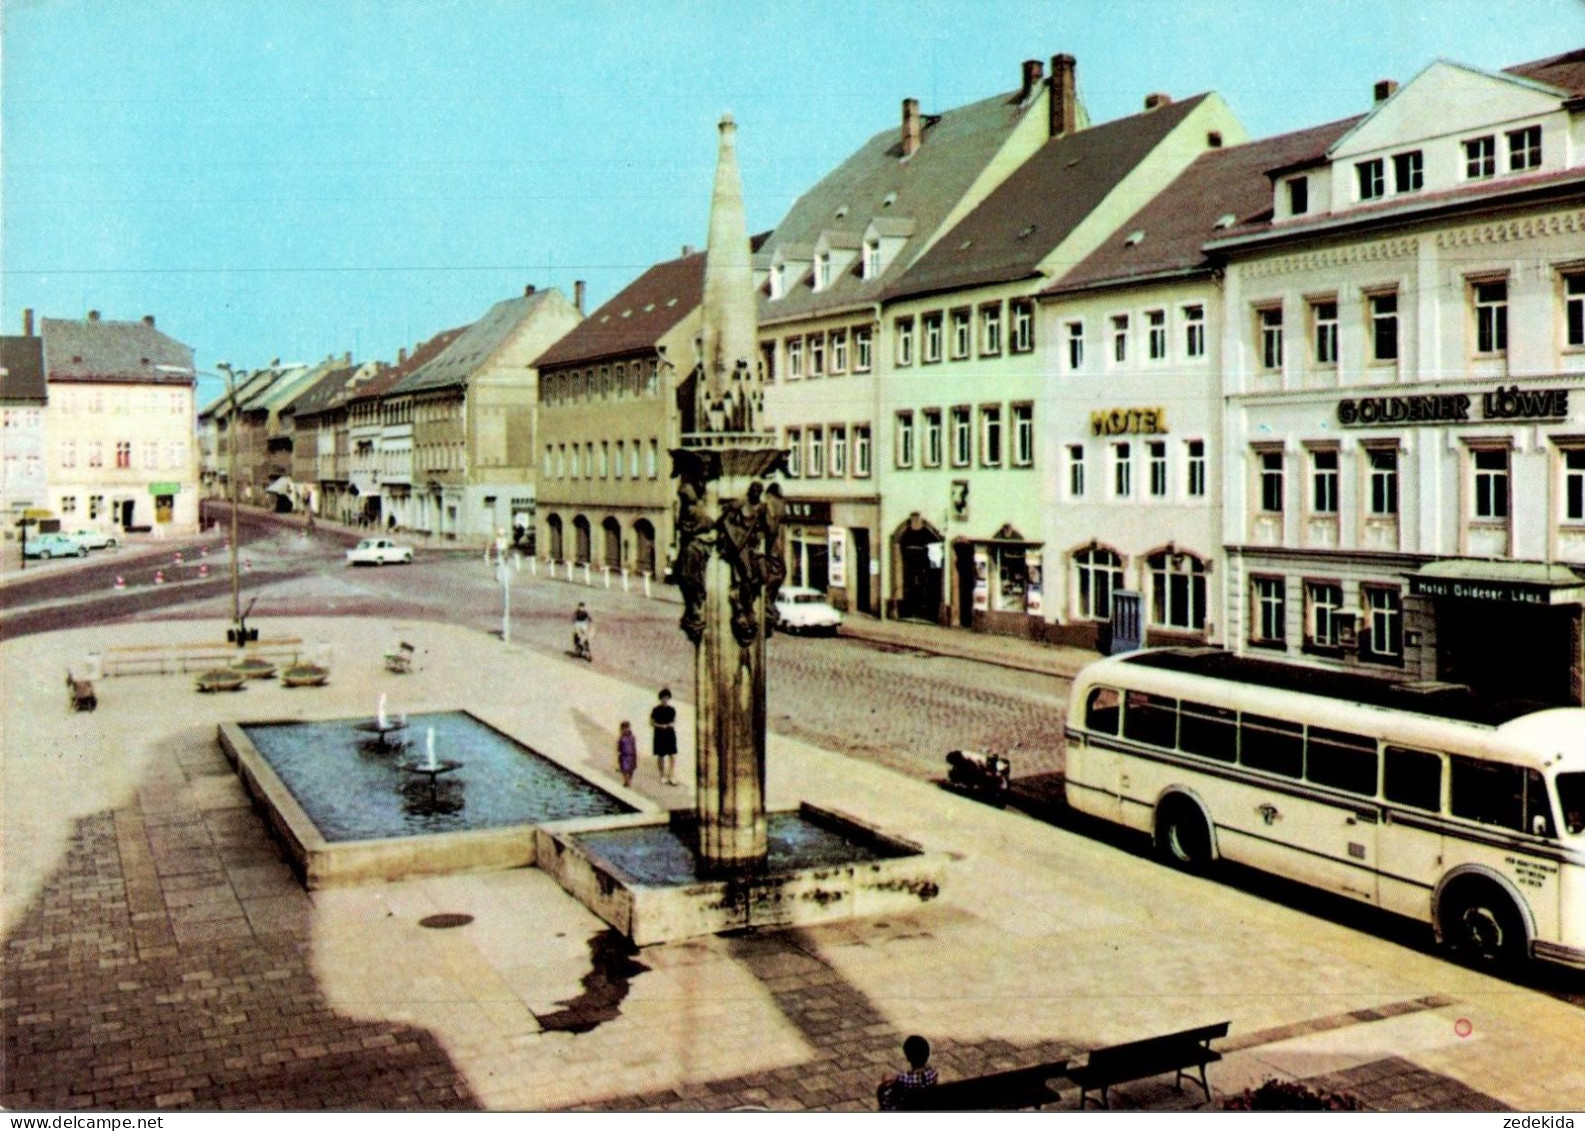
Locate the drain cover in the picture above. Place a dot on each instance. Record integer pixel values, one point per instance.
(448, 919)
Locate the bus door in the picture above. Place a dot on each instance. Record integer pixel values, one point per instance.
(1409, 849)
(1092, 763)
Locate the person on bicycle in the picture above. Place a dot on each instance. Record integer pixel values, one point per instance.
(582, 632)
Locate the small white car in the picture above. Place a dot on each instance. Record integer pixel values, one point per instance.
(805, 610)
(378, 551)
(52, 545)
(95, 539)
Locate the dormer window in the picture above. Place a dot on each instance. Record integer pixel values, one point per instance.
(1408, 171)
(1480, 158)
(870, 266)
(778, 280)
(823, 271)
(1298, 195)
(1372, 176)
(1524, 149)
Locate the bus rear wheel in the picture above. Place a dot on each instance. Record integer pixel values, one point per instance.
(1481, 926)
(1182, 835)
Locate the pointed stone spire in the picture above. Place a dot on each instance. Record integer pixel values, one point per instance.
(729, 330)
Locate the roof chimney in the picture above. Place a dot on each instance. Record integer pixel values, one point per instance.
(93, 316)
(1034, 71)
(346, 357)
(688, 249)
(401, 355)
(27, 322)
(1157, 100)
(1385, 89)
(148, 320)
(913, 128)
(577, 294)
(528, 289)
(1064, 96)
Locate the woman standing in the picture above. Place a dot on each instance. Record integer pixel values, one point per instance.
(663, 724)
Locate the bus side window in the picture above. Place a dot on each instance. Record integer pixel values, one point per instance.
(1412, 778)
(1537, 809)
(1152, 719)
(1488, 792)
(1103, 710)
(1211, 732)
(1275, 745)
(1341, 760)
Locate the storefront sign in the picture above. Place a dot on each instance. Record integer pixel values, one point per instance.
(1506, 592)
(815, 512)
(165, 488)
(837, 539)
(1033, 596)
(1511, 403)
(982, 578)
(1121, 421)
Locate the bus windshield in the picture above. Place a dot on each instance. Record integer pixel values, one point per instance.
(1571, 796)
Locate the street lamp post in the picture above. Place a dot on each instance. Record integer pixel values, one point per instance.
(231, 475)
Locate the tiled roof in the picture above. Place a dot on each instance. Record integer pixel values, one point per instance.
(1177, 222)
(22, 369)
(455, 364)
(1566, 71)
(639, 316)
(322, 393)
(876, 183)
(1038, 206)
(392, 375)
(101, 350)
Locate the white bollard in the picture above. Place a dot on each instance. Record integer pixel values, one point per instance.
(586, 579)
(533, 567)
(605, 572)
(646, 585)
(624, 579)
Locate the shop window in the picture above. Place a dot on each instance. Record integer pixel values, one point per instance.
(1177, 591)
(1012, 578)
(1098, 573)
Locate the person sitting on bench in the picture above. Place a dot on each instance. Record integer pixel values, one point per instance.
(919, 1074)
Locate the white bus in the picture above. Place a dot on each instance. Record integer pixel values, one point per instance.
(1419, 799)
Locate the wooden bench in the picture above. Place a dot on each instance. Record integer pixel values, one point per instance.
(1136, 1060)
(400, 658)
(1015, 1090)
(134, 659)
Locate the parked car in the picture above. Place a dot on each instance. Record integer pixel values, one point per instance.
(55, 546)
(378, 551)
(95, 539)
(805, 610)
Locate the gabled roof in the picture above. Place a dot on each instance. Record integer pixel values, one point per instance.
(1029, 215)
(460, 360)
(392, 375)
(638, 317)
(1177, 222)
(324, 392)
(1566, 71)
(877, 181)
(255, 382)
(22, 369)
(100, 350)
(279, 394)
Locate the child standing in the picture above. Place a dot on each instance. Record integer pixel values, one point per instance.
(627, 752)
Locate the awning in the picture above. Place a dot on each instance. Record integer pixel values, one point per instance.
(282, 486)
(1499, 582)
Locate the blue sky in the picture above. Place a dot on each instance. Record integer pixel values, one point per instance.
(294, 179)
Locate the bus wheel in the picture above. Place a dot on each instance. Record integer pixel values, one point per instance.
(1480, 925)
(1182, 835)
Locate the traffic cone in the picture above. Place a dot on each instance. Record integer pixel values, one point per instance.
(178, 557)
(159, 577)
(247, 563)
(203, 551)
(203, 570)
(120, 582)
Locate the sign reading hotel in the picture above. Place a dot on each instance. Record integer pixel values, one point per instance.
(1128, 421)
(1511, 403)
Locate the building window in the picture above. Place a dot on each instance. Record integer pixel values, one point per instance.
(1156, 330)
(1323, 601)
(1480, 158)
(962, 332)
(817, 461)
(795, 358)
(1491, 483)
(1269, 617)
(1574, 485)
(619, 464)
(1372, 176)
(962, 437)
(1122, 470)
(817, 355)
(870, 259)
(1408, 171)
(767, 362)
(861, 349)
(1384, 327)
(861, 451)
(1075, 346)
(905, 439)
(930, 333)
(1270, 337)
(123, 453)
(1194, 461)
(589, 459)
(577, 461)
(632, 458)
(1023, 319)
(1177, 591)
(1270, 468)
(839, 452)
(795, 452)
(96, 506)
(1491, 316)
(931, 455)
(605, 459)
(561, 461)
(151, 455)
(1298, 195)
(905, 341)
(1382, 635)
(652, 459)
(990, 435)
(1076, 471)
(1099, 574)
(1323, 482)
(1323, 321)
(778, 280)
(1524, 149)
(823, 271)
(839, 351)
(68, 504)
(68, 453)
(1119, 338)
(1023, 435)
(1156, 451)
(1194, 331)
(991, 330)
(1574, 310)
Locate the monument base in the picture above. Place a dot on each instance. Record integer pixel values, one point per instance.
(638, 873)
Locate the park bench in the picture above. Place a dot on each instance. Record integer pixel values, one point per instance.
(1016, 1090)
(1153, 1056)
(400, 658)
(80, 693)
(134, 659)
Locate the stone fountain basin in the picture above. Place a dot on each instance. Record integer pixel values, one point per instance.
(882, 874)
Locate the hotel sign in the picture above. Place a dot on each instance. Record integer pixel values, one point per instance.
(1511, 403)
(1124, 421)
(1504, 592)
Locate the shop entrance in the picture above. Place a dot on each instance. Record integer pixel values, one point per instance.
(920, 552)
(1509, 651)
(861, 570)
